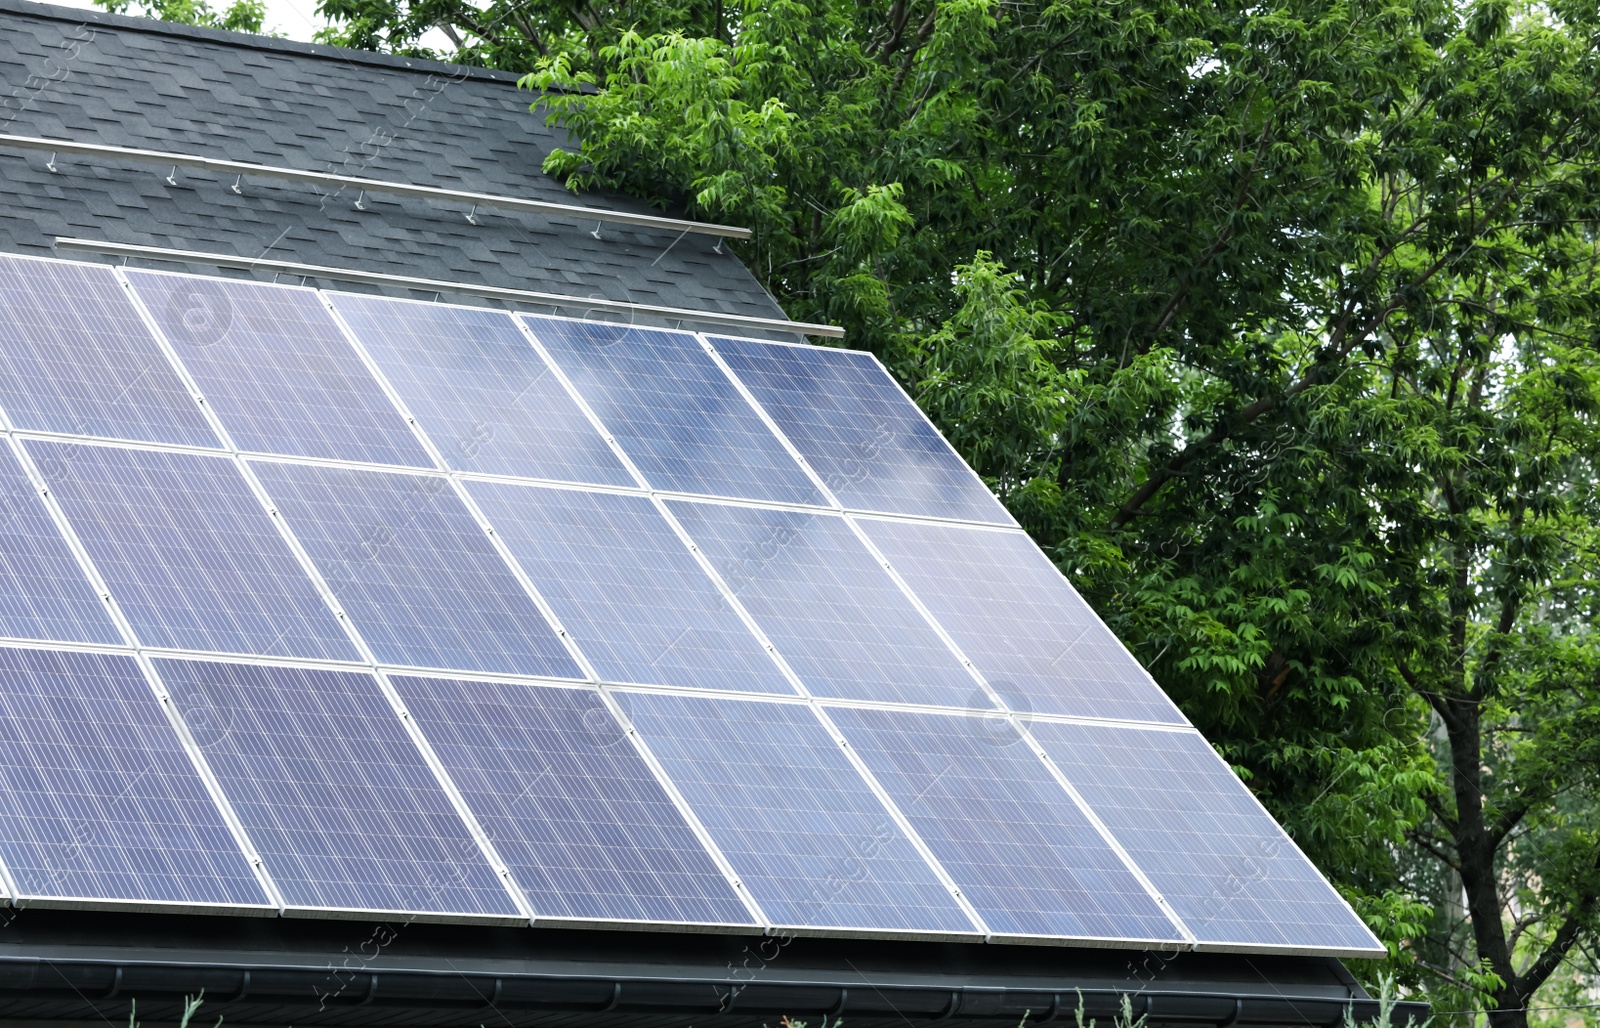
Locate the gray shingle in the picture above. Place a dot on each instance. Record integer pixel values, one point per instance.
(93, 77)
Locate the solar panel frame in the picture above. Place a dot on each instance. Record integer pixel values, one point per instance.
(259, 806)
(170, 413)
(838, 488)
(264, 403)
(683, 762)
(453, 716)
(651, 457)
(137, 541)
(145, 721)
(1061, 740)
(432, 421)
(925, 571)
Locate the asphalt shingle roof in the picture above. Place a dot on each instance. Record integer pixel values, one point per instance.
(98, 78)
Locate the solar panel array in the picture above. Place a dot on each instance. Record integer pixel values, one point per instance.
(345, 606)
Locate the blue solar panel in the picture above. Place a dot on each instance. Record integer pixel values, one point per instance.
(334, 795)
(1020, 849)
(1020, 622)
(276, 368)
(575, 813)
(485, 397)
(628, 589)
(43, 592)
(1224, 865)
(98, 800)
(674, 412)
(192, 559)
(75, 357)
(414, 571)
(802, 829)
(859, 431)
(828, 606)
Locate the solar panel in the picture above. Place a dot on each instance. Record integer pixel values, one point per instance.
(574, 811)
(1219, 859)
(1019, 621)
(485, 397)
(75, 357)
(628, 589)
(186, 549)
(827, 605)
(805, 833)
(338, 801)
(417, 575)
(859, 431)
(43, 592)
(276, 368)
(98, 801)
(1022, 852)
(673, 411)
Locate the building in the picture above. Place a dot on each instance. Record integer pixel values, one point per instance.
(338, 677)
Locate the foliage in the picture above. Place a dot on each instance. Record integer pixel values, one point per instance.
(238, 16)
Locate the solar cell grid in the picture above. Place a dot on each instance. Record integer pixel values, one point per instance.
(331, 790)
(1019, 621)
(44, 594)
(414, 571)
(574, 811)
(673, 411)
(828, 606)
(1022, 852)
(186, 549)
(274, 365)
(804, 831)
(859, 431)
(1222, 863)
(76, 358)
(486, 398)
(98, 800)
(626, 586)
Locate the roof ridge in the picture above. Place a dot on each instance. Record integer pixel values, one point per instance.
(250, 41)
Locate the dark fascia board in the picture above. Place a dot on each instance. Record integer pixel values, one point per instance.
(67, 965)
(250, 41)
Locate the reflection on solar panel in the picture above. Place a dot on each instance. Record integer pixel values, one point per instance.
(1018, 620)
(480, 390)
(419, 578)
(398, 791)
(188, 553)
(76, 358)
(341, 806)
(587, 830)
(43, 591)
(275, 367)
(1224, 865)
(673, 411)
(829, 608)
(638, 604)
(804, 832)
(1023, 854)
(870, 444)
(97, 798)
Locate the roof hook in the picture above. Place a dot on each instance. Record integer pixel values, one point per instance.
(360, 206)
(238, 185)
(172, 179)
(51, 164)
(718, 248)
(472, 215)
(596, 232)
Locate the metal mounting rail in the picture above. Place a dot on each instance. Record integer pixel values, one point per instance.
(221, 260)
(372, 185)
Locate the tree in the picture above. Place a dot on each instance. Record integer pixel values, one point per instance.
(239, 16)
(1274, 324)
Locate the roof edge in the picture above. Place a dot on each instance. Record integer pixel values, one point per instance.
(250, 41)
